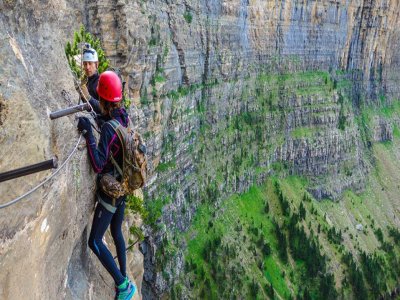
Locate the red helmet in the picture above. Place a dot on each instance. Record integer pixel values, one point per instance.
(109, 87)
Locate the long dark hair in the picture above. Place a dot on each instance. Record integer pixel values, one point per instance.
(107, 107)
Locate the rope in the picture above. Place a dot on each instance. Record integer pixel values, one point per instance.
(46, 180)
(78, 84)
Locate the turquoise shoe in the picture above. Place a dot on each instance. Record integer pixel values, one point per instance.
(126, 290)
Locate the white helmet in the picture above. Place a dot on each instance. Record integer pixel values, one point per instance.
(89, 54)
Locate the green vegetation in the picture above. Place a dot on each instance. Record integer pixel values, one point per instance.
(144, 100)
(154, 30)
(154, 210)
(162, 167)
(302, 132)
(271, 89)
(342, 117)
(257, 131)
(127, 101)
(188, 17)
(241, 250)
(275, 241)
(158, 76)
(211, 262)
(390, 110)
(153, 41)
(135, 205)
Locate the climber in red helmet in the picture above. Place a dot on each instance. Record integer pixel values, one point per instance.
(109, 210)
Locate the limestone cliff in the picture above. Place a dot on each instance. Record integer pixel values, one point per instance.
(226, 93)
(233, 91)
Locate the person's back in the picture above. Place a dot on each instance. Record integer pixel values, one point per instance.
(109, 210)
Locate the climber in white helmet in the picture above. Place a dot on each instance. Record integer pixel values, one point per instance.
(89, 83)
(88, 86)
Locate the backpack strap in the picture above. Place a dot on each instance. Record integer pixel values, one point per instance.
(116, 126)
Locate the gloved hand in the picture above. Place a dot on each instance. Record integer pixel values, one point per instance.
(84, 124)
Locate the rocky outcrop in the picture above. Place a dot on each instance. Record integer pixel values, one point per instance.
(43, 238)
(382, 129)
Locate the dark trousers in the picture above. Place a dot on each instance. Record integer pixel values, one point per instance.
(101, 220)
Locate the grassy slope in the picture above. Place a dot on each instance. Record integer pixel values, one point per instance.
(377, 207)
(222, 257)
(246, 209)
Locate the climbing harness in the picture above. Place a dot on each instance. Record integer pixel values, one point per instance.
(46, 180)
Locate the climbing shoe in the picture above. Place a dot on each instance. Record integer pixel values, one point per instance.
(126, 290)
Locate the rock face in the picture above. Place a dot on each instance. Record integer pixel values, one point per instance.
(233, 91)
(43, 238)
(225, 93)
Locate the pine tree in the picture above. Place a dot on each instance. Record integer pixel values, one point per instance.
(302, 211)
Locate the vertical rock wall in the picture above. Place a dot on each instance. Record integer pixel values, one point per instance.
(43, 238)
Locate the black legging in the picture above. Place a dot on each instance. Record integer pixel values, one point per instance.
(101, 219)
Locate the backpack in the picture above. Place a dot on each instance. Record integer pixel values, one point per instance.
(134, 166)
